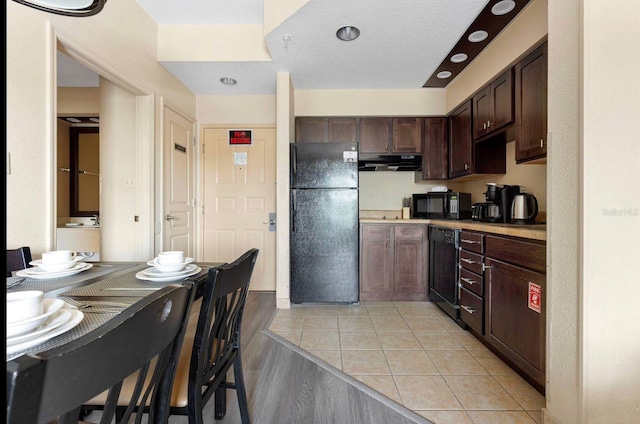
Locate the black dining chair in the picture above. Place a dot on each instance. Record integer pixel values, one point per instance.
(146, 337)
(212, 345)
(18, 259)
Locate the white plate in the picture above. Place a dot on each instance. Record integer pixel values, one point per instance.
(154, 262)
(142, 276)
(155, 272)
(54, 321)
(73, 224)
(57, 267)
(76, 318)
(50, 307)
(44, 275)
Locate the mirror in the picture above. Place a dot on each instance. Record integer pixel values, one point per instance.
(84, 156)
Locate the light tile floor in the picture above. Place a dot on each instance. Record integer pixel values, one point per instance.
(414, 354)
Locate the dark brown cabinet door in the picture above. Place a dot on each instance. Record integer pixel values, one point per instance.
(460, 142)
(408, 268)
(493, 106)
(435, 149)
(531, 106)
(502, 91)
(481, 112)
(407, 133)
(342, 130)
(375, 135)
(375, 269)
(311, 130)
(512, 324)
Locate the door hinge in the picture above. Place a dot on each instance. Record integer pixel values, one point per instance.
(194, 141)
(203, 148)
(193, 203)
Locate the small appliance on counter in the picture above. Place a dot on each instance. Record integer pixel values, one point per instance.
(497, 208)
(524, 209)
(441, 205)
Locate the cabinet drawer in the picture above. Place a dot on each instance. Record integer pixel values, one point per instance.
(472, 282)
(471, 261)
(524, 253)
(471, 310)
(376, 231)
(472, 241)
(409, 231)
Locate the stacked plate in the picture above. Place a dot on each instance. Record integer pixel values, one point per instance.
(52, 322)
(40, 273)
(168, 272)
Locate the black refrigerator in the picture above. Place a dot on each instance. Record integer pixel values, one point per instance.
(324, 223)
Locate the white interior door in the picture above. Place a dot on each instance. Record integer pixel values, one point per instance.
(239, 193)
(178, 191)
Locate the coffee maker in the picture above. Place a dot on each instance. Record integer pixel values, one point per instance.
(497, 208)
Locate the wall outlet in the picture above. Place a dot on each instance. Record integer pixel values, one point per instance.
(129, 183)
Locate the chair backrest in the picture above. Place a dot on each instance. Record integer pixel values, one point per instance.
(217, 336)
(55, 383)
(18, 259)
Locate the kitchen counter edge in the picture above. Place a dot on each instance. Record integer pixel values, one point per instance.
(534, 232)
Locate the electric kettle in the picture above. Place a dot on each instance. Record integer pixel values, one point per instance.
(524, 209)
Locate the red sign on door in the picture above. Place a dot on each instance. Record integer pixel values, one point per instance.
(535, 297)
(239, 136)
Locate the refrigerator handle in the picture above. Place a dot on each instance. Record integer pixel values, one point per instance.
(294, 160)
(293, 212)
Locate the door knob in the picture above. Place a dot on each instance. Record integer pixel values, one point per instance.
(170, 217)
(271, 222)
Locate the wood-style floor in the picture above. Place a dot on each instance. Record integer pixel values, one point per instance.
(286, 386)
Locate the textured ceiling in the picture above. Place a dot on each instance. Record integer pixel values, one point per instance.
(400, 45)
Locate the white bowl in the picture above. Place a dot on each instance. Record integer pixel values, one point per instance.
(56, 266)
(24, 305)
(51, 306)
(171, 257)
(169, 267)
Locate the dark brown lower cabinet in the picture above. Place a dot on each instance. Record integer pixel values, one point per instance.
(515, 316)
(393, 262)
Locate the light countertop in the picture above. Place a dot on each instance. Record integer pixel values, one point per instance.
(534, 232)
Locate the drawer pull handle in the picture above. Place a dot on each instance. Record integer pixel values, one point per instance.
(469, 241)
(469, 261)
(468, 309)
(485, 267)
(468, 280)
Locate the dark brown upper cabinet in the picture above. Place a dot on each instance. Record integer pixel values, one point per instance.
(382, 135)
(375, 135)
(493, 106)
(531, 106)
(84, 154)
(326, 130)
(460, 141)
(343, 130)
(435, 149)
(473, 160)
(407, 134)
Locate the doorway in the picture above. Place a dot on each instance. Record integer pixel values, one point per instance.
(126, 116)
(239, 186)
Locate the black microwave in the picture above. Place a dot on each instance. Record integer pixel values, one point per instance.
(441, 205)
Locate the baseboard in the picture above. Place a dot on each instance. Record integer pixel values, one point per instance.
(547, 418)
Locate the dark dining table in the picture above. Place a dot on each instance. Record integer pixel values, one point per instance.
(104, 282)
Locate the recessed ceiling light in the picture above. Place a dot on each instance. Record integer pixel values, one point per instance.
(74, 120)
(460, 57)
(348, 33)
(503, 7)
(228, 81)
(478, 36)
(96, 120)
(444, 74)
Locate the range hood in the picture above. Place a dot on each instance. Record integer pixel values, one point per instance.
(368, 162)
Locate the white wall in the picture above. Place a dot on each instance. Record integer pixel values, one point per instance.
(121, 39)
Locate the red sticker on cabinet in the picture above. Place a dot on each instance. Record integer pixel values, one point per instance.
(535, 297)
